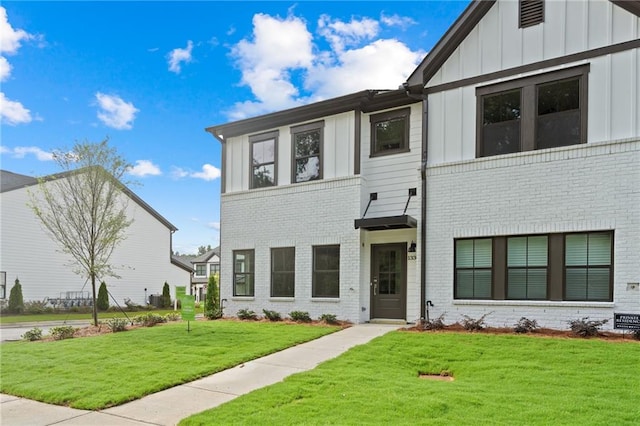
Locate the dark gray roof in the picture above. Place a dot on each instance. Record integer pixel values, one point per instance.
(182, 263)
(10, 180)
(203, 258)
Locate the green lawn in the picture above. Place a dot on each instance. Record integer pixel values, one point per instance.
(66, 316)
(102, 371)
(498, 380)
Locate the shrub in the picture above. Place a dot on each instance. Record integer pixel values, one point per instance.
(636, 334)
(62, 332)
(328, 318)
(33, 334)
(585, 327)
(246, 314)
(103, 297)
(434, 324)
(36, 307)
(212, 308)
(471, 324)
(525, 325)
(117, 324)
(166, 295)
(172, 316)
(272, 315)
(300, 316)
(149, 319)
(16, 304)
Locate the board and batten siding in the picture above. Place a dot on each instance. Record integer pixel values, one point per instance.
(337, 153)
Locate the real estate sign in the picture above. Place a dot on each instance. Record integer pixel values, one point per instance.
(626, 321)
(188, 304)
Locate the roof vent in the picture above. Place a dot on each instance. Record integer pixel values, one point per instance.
(531, 12)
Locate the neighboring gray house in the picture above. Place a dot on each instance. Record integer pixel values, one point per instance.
(143, 259)
(501, 180)
(204, 266)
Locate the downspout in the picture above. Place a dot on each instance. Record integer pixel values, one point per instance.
(423, 195)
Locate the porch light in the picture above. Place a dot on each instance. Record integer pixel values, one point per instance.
(412, 247)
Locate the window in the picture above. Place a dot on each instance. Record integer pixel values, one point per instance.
(201, 270)
(326, 271)
(531, 13)
(527, 267)
(214, 268)
(543, 111)
(572, 267)
(283, 272)
(473, 268)
(307, 152)
(390, 132)
(3, 285)
(263, 160)
(588, 266)
(243, 273)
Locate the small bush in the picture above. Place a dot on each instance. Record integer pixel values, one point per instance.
(272, 315)
(16, 303)
(149, 319)
(471, 324)
(197, 305)
(328, 318)
(102, 303)
(434, 324)
(585, 327)
(62, 332)
(33, 334)
(247, 314)
(525, 325)
(36, 307)
(636, 334)
(300, 316)
(117, 324)
(172, 316)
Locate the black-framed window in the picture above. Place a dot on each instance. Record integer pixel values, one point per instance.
(562, 266)
(201, 270)
(588, 266)
(326, 271)
(283, 265)
(3, 285)
(390, 132)
(307, 142)
(264, 154)
(214, 268)
(243, 273)
(537, 112)
(527, 260)
(473, 268)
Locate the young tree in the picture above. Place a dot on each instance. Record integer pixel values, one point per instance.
(103, 297)
(166, 295)
(16, 304)
(84, 207)
(211, 302)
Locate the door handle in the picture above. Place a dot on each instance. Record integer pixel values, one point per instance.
(375, 286)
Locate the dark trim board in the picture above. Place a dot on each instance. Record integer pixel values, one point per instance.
(386, 223)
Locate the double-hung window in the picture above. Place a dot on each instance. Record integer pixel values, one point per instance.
(538, 112)
(243, 273)
(214, 268)
(283, 272)
(474, 261)
(201, 270)
(390, 132)
(588, 266)
(264, 153)
(326, 271)
(527, 267)
(307, 143)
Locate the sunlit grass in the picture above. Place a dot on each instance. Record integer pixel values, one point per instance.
(67, 316)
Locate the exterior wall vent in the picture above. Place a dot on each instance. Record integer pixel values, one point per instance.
(531, 12)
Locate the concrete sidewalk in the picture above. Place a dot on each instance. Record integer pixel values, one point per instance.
(168, 407)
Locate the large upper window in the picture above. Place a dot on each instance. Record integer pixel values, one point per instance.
(390, 132)
(543, 111)
(243, 273)
(201, 270)
(283, 272)
(307, 152)
(575, 266)
(326, 271)
(263, 159)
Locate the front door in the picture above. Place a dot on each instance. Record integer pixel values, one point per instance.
(388, 280)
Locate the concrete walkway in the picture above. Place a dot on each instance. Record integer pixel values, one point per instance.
(168, 407)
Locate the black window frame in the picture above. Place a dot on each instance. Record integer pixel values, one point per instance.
(316, 272)
(261, 138)
(403, 114)
(529, 105)
(199, 268)
(590, 267)
(214, 268)
(528, 267)
(473, 269)
(277, 274)
(248, 276)
(307, 128)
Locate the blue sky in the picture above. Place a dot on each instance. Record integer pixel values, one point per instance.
(152, 75)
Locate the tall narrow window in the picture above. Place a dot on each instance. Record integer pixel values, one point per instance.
(527, 267)
(263, 159)
(307, 152)
(588, 266)
(501, 123)
(243, 273)
(390, 132)
(558, 119)
(473, 269)
(3, 285)
(326, 271)
(283, 272)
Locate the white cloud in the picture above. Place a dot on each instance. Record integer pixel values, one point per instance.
(11, 39)
(340, 34)
(23, 151)
(12, 112)
(214, 225)
(145, 168)
(208, 172)
(5, 68)
(115, 112)
(178, 56)
(397, 21)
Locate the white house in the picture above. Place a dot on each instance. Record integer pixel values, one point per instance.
(502, 180)
(204, 266)
(143, 260)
